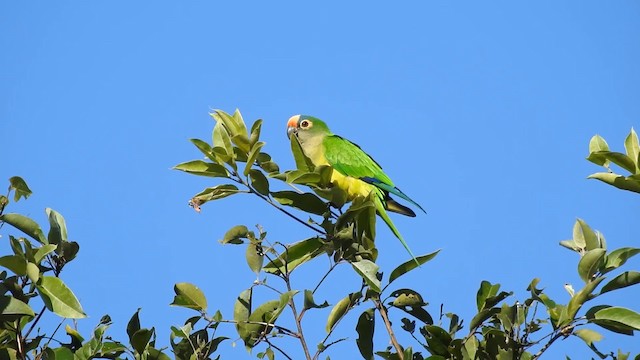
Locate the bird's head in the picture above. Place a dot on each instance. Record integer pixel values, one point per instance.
(305, 126)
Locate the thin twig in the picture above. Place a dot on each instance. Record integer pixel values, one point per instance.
(277, 348)
(33, 324)
(385, 318)
(333, 266)
(303, 342)
(555, 337)
(281, 328)
(270, 202)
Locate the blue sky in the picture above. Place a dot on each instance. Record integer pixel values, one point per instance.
(481, 112)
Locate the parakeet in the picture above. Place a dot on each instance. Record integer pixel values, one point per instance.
(355, 171)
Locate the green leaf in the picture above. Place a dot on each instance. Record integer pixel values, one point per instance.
(61, 353)
(189, 296)
(340, 310)
(571, 245)
(590, 263)
(407, 297)
(438, 339)
(253, 155)
(255, 132)
(588, 336)
(618, 181)
(58, 298)
(222, 139)
(270, 167)
(259, 182)
(483, 315)
(9, 305)
(241, 311)
(295, 255)
(598, 144)
(306, 202)
(26, 225)
(623, 280)
(203, 168)
(68, 250)
(235, 235)
(618, 257)
(410, 265)
(584, 236)
(17, 184)
(610, 325)
(632, 147)
(309, 303)
(412, 303)
(265, 313)
(254, 256)
(366, 328)
(134, 324)
(140, 339)
(619, 159)
(213, 193)
(568, 313)
(234, 125)
(33, 272)
(486, 290)
(43, 251)
(57, 227)
(368, 270)
(620, 315)
(155, 354)
(205, 148)
(15, 263)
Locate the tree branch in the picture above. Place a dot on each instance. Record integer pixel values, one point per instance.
(385, 317)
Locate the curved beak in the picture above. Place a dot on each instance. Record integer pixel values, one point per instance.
(291, 130)
(292, 125)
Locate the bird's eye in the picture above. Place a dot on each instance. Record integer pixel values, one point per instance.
(305, 124)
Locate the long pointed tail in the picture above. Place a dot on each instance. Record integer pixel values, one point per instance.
(385, 217)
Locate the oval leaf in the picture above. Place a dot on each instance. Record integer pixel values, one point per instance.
(306, 202)
(295, 255)
(620, 315)
(366, 328)
(618, 257)
(588, 336)
(368, 270)
(632, 147)
(254, 257)
(235, 235)
(590, 263)
(340, 310)
(618, 181)
(26, 225)
(203, 168)
(58, 298)
(410, 265)
(9, 305)
(623, 280)
(57, 227)
(189, 296)
(241, 311)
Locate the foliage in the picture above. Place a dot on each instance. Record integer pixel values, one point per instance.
(599, 154)
(502, 328)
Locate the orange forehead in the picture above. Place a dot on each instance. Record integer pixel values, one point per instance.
(293, 121)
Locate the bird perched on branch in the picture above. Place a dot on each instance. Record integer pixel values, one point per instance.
(354, 171)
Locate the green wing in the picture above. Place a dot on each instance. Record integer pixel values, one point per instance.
(348, 159)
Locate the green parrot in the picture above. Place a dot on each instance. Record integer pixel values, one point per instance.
(355, 171)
